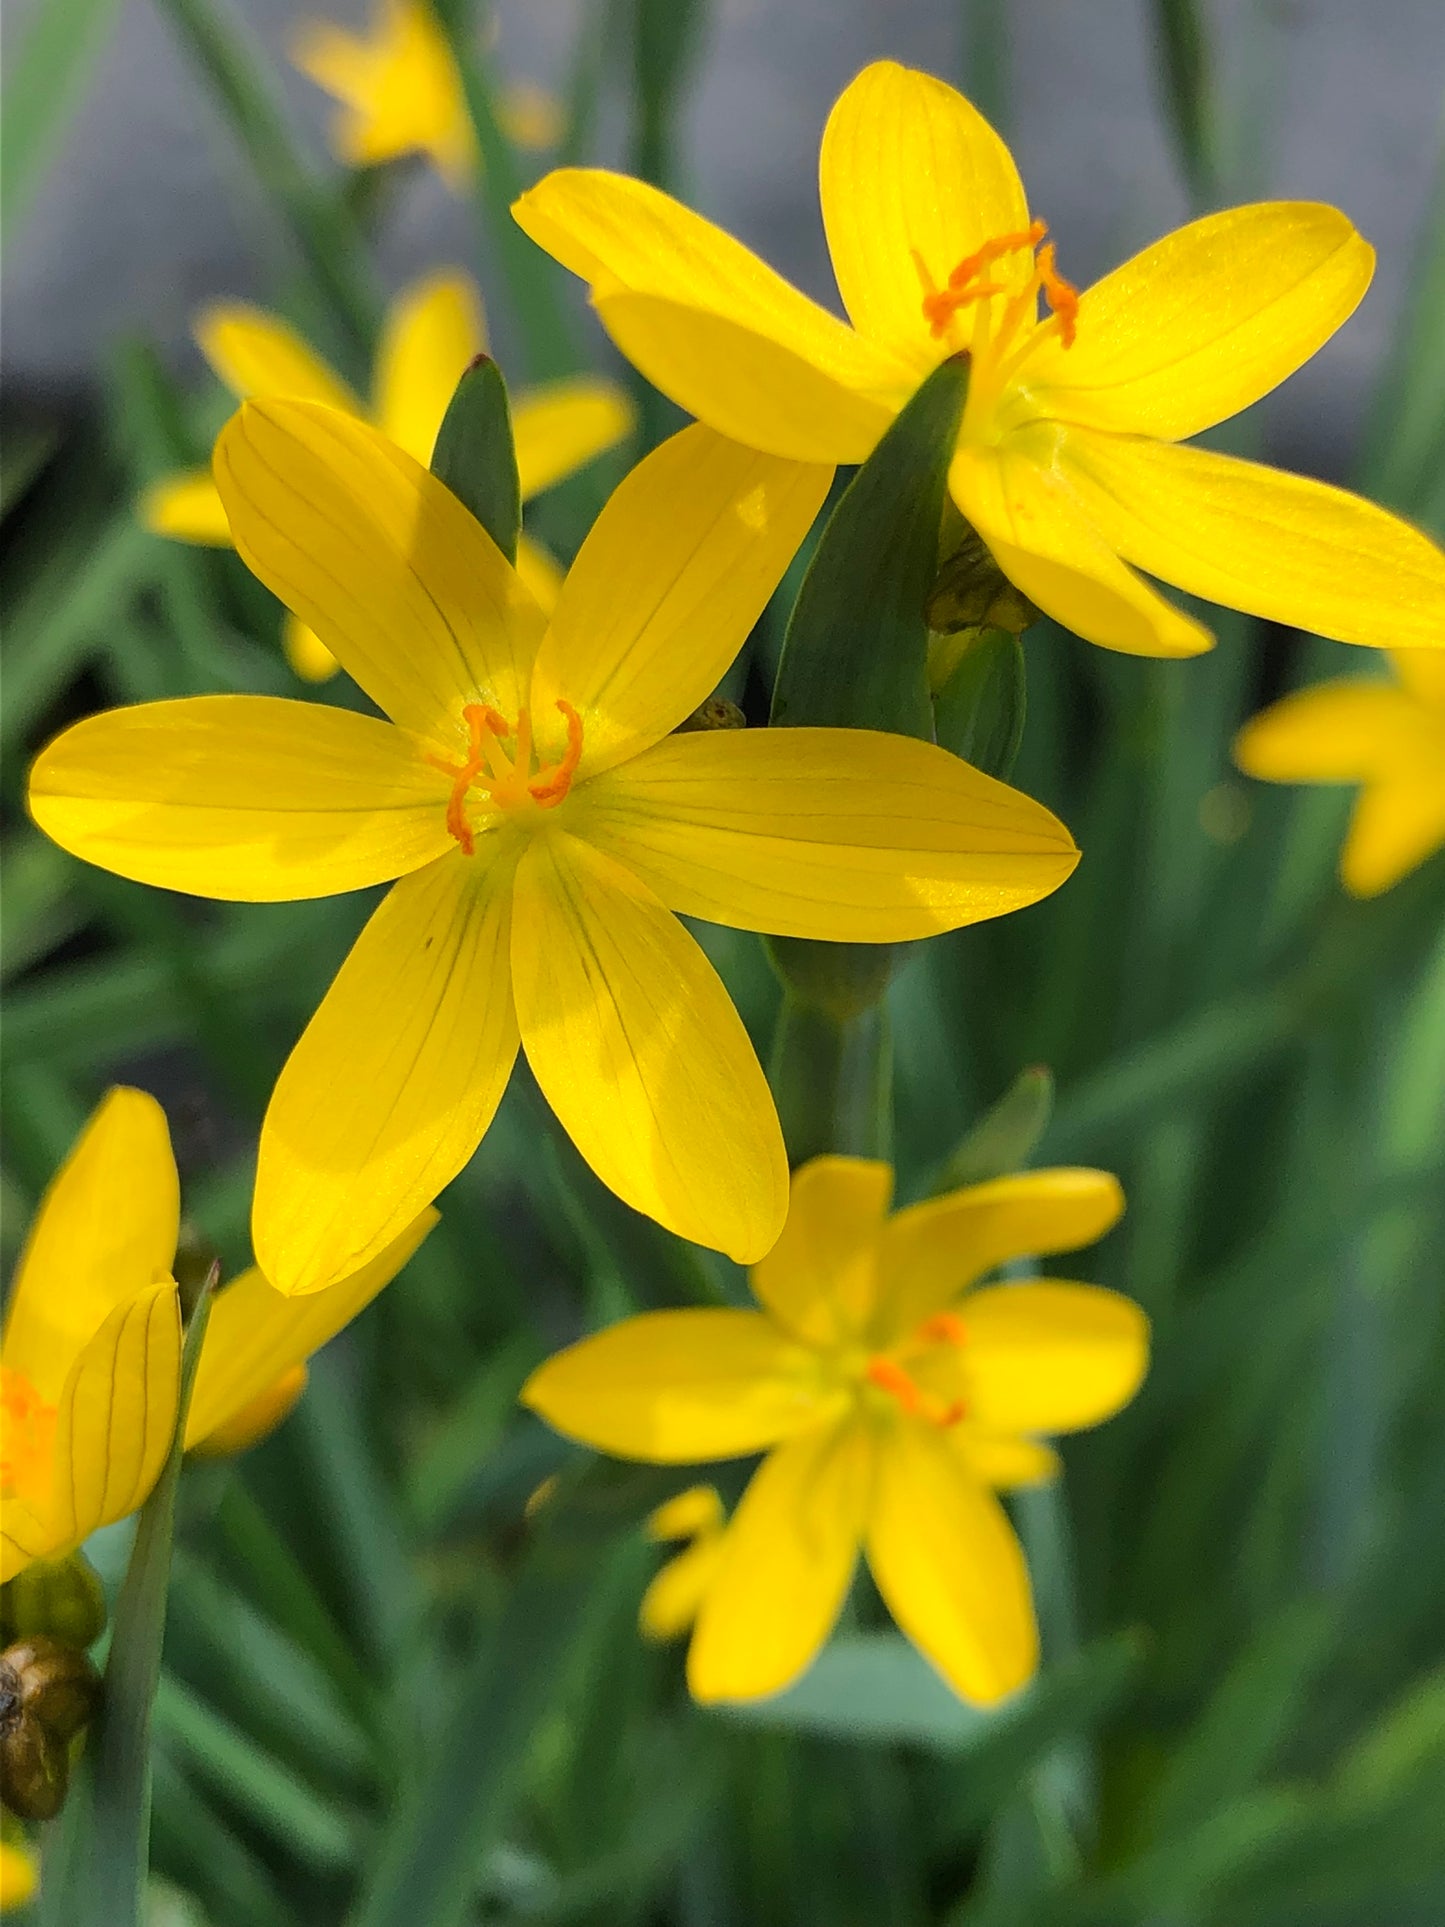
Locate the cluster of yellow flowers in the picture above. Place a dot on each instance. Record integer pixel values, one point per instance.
(525, 790)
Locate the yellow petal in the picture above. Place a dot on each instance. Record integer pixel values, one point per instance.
(254, 353)
(1206, 320)
(306, 652)
(1005, 1463)
(670, 1604)
(19, 1875)
(1394, 828)
(26, 1533)
(117, 1416)
(258, 1418)
(253, 799)
(433, 331)
(404, 587)
(932, 1251)
(689, 1514)
(395, 1078)
(541, 576)
(1027, 513)
(187, 508)
(674, 573)
(637, 1048)
(1049, 1357)
(833, 833)
(819, 1279)
(948, 1565)
(560, 427)
(786, 1563)
(1344, 731)
(712, 325)
(255, 1334)
(1255, 538)
(672, 1387)
(908, 170)
(105, 1232)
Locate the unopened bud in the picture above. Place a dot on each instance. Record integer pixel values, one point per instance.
(48, 1691)
(62, 1597)
(971, 591)
(716, 713)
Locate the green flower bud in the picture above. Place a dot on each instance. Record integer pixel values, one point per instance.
(61, 1597)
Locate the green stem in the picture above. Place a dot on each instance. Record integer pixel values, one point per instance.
(832, 1077)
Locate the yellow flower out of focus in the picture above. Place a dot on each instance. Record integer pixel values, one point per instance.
(1389, 737)
(399, 89)
(90, 1360)
(674, 1597)
(434, 330)
(546, 824)
(1069, 461)
(19, 1875)
(891, 1401)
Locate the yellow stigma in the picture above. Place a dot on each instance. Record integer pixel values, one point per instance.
(512, 781)
(27, 1438)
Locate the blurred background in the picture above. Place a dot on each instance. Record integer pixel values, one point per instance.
(1241, 1581)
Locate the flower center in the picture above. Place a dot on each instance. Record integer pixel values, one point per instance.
(889, 1374)
(513, 780)
(27, 1437)
(969, 282)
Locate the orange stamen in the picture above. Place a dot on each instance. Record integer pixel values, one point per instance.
(552, 785)
(506, 779)
(940, 305)
(889, 1376)
(944, 1328)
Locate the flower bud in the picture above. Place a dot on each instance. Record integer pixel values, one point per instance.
(48, 1691)
(61, 1597)
(971, 591)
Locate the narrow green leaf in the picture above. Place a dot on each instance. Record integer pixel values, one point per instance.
(43, 84)
(1184, 59)
(979, 712)
(475, 454)
(1005, 1137)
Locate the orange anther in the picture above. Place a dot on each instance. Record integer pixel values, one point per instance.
(889, 1376)
(1061, 295)
(552, 784)
(944, 1328)
(940, 305)
(506, 779)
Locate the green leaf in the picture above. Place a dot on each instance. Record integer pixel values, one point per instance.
(1004, 1138)
(475, 454)
(979, 712)
(43, 84)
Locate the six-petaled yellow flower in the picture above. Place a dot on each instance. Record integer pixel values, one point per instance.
(399, 89)
(1069, 460)
(546, 825)
(433, 331)
(90, 1361)
(891, 1400)
(1389, 737)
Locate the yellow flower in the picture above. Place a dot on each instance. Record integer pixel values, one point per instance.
(1068, 462)
(890, 1402)
(433, 331)
(90, 1362)
(1389, 738)
(545, 824)
(19, 1875)
(400, 91)
(674, 1597)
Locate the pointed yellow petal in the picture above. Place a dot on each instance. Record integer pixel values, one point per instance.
(404, 587)
(1049, 1357)
(395, 1078)
(258, 1418)
(306, 652)
(1344, 731)
(255, 1334)
(1255, 538)
(25, 1534)
(1040, 537)
(696, 1511)
(254, 799)
(637, 1048)
(712, 325)
(835, 833)
(948, 1565)
(254, 353)
(433, 331)
(819, 1279)
(671, 1387)
(674, 573)
(670, 1604)
(785, 1566)
(910, 170)
(187, 508)
(1206, 320)
(340, 62)
(105, 1231)
(1394, 828)
(932, 1251)
(117, 1415)
(1005, 1463)
(541, 576)
(565, 424)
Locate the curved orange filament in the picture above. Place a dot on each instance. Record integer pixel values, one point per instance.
(889, 1376)
(964, 285)
(509, 780)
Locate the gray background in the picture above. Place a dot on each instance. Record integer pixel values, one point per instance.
(147, 209)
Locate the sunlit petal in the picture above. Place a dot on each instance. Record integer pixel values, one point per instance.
(433, 331)
(1042, 1356)
(1394, 828)
(819, 1279)
(561, 426)
(255, 353)
(188, 508)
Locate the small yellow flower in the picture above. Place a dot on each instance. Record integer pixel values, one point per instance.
(891, 1401)
(433, 331)
(400, 91)
(1389, 737)
(1069, 461)
(90, 1361)
(545, 822)
(674, 1598)
(19, 1875)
